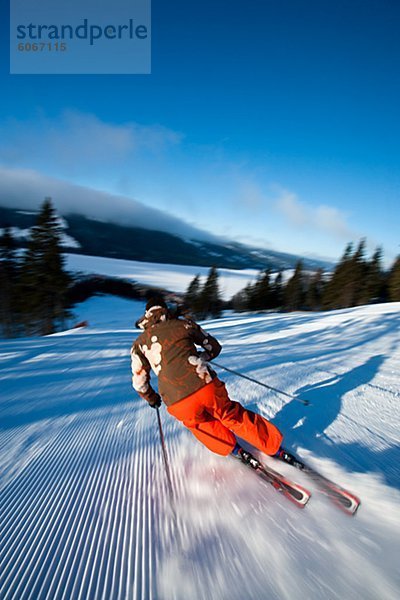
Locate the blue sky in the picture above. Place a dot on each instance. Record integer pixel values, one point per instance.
(273, 123)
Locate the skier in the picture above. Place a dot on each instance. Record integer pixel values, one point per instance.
(189, 387)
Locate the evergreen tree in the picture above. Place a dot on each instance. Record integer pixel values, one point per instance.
(359, 271)
(241, 300)
(265, 290)
(375, 278)
(253, 297)
(44, 281)
(192, 296)
(277, 291)
(210, 302)
(337, 292)
(315, 291)
(8, 284)
(356, 280)
(294, 290)
(259, 296)
(394, 281)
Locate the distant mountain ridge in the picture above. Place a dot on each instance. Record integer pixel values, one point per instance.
(97, 238)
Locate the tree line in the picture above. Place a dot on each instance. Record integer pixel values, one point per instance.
(36, 292)
(355, 280)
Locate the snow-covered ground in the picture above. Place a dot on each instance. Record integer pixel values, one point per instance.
(175, 278)
(84, 506)
(110, 312)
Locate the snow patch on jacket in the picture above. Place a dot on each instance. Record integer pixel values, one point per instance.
(153, 354)
(201, 368)
(140, 381)
(206, 345)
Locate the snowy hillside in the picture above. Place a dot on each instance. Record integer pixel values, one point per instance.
(84, 506)
(125, 235)
(174, 278)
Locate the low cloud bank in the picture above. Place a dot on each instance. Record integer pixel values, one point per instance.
(26, 189)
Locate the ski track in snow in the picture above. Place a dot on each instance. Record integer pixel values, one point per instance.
(84, 505)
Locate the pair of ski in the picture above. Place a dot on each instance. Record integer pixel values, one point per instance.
(342, 498)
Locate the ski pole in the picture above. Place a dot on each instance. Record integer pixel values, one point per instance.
(269, 387)
(164, 451)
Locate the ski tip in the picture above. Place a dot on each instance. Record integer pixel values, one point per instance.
(355, 505)
(346, 501)
(306, 496)
(296, 493)
(304, 502)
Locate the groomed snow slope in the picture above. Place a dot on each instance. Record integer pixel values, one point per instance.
(84, 507)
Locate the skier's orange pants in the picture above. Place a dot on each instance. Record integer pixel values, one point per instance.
(213, 418)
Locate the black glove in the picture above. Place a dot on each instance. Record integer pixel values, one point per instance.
(155, 402)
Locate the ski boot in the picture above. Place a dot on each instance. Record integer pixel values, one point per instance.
(288, 458)
(245, 457)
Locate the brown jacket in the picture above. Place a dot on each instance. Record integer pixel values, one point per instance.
(168, 347)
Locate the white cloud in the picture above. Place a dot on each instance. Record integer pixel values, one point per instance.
(320, 218)
(289, 205)
(26, 189)
(78, 142)
(333, 220)
(250, 195)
